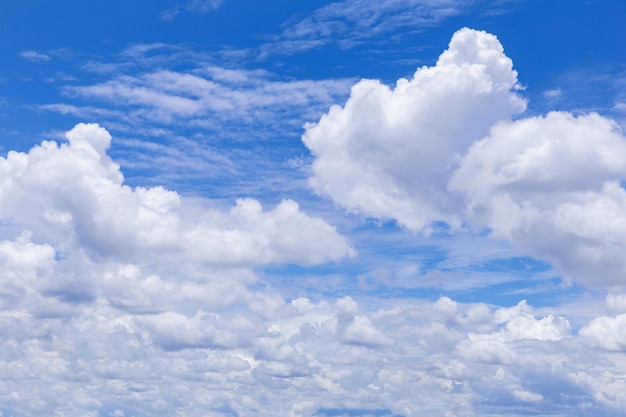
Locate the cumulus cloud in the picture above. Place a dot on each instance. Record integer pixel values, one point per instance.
(119, 300)
(606, 332)
(389, 152)
(551, 185)
(151, 344)
(445, 147)
(113, 285)
(73, 195)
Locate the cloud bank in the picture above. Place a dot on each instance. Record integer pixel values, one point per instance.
(446, 146)
(73, 195)
(120, 301)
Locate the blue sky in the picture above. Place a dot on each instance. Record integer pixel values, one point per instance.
(348, 208)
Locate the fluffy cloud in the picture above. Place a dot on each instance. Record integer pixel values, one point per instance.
(109, 291)
(120, 301)
(161, 345)
(442, 147)
(606, 332)
(551, 185)
(389, 153)
(72, 195)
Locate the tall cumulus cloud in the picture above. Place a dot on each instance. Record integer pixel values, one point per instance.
(449, 146)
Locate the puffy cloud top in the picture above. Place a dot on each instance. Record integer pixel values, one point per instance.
(388, 153)
(443, 147)
(72, 196)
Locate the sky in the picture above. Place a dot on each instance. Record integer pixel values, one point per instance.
(321, 208)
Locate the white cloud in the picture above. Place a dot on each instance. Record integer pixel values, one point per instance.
(607, 332)
(35, 56)
(139, 301)
(553, 94)
(198, 358)
(208, 98)
(389, 153)
(197, 118)
(442, 148)
(73, 195)
(360, 331)
(616, 302)
(527, 396)
(202, 6)
(551, 186)
(350, 22)
(199, 7)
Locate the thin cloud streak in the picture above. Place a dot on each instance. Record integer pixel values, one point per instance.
(349, 23)
(198, 7)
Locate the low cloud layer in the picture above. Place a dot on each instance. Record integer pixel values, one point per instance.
(449, 146)
(119, 300)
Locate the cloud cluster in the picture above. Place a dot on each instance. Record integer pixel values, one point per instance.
(444, 147)
(72, 195)
(121, 301)
(302, 358)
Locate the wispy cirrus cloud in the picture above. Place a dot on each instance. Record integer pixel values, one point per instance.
(35, 56)
(197, 92)
(154, 90)
(191, 6)
(348, 23)
(210, 95)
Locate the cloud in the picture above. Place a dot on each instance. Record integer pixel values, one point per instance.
(199, 7)
(140, 277)
(389, 152)
(351, 22)
(202, 6)
(553, 94)
(551, 186)
(443, 147)
(73, 195)
(199, 120)
(210, 97)
(606, 332)
(200, 341)
(34, 56)
(137, 300)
